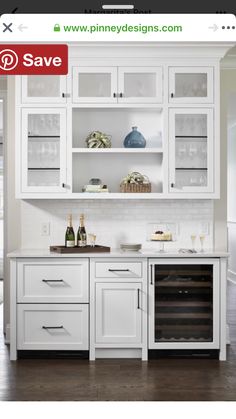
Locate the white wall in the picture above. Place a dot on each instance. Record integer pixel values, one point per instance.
(115, 222)
(12, 218)
(231, 157)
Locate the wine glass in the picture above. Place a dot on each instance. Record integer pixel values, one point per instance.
(202, 239)
(193, 239)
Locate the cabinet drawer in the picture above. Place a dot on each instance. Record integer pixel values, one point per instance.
(52, 326)
(118, 270)
(52, 282)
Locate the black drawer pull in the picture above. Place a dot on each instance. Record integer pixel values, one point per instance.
(52, 280)
(118, 270)
(52, 327)
(151, 274)
(138, 299)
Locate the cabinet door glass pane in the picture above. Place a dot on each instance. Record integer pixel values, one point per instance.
(43, 149)
(191, 141)
(94, 84)
(183, 303)
(43, 86)
(140, 85)
(190, 85)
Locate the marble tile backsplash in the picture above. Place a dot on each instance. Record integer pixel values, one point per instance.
(116, 221)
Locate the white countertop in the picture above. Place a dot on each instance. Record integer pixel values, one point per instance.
(115, 253)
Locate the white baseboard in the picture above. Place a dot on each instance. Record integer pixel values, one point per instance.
(7, 336)
(227, 335)
(231, 276)
(118, 353)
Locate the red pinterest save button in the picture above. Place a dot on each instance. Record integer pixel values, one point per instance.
(40, 59)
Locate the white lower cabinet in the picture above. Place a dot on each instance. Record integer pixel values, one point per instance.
(118, 317)
(118, 308)
(52, 326)
(49, 304)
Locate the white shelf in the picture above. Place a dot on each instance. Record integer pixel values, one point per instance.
(117, 195)
(117, 150)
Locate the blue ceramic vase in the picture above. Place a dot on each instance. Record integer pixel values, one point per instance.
(134, 139)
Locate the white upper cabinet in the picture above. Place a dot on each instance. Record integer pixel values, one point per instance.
(191, 85)
(191, 151)
(117, 85)
(94, 84)
(170, 93)
(43, 89)
(43, 145)
(140, 84)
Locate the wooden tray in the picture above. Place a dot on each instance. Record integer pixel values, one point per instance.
(86, 249)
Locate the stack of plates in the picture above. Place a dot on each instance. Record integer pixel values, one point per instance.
(130, 247)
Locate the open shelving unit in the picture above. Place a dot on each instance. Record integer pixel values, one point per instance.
(106, 163)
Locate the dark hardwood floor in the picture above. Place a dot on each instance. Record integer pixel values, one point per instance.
(123, 380)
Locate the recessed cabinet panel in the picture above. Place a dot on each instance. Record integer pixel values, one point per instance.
(191, 150)
(50, 282)
(41, 89)
(191, 84)
(94, 84)
(43, 150)
(140, 84)
(52, 326)
(118, 316)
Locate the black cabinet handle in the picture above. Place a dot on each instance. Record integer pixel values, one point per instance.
(52, 327)
(172, 185)
(121, 94)
(172, 95)
(114, 95)
(138, 299)
(118, 270)
(63, 185)
(151, 274)
(52, 280)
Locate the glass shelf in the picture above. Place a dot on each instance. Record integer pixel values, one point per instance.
(191, 136)
(43, 168)
(191, 168)
(44, 136)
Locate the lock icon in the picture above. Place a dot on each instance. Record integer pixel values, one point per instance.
(57, 27)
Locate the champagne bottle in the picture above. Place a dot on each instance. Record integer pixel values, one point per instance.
(81, 235)
(70, 235)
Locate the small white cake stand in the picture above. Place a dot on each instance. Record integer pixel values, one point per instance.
(162, 244)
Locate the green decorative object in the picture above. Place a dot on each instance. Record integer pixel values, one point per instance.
(135, 177)
(98, 139)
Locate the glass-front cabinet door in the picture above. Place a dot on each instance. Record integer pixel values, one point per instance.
(191, 150)
(95, 84)
(43, 89)
(191, 84)
(140, 84)
(184, 309)
(44, 150)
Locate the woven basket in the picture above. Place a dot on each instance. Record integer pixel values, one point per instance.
(135, 187)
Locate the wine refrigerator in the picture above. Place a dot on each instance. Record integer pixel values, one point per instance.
(184, 303)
